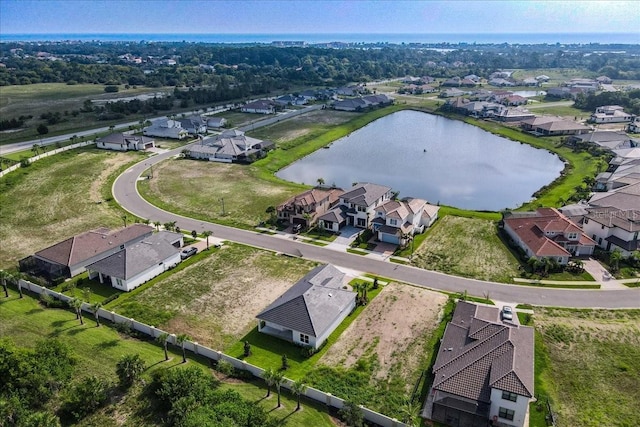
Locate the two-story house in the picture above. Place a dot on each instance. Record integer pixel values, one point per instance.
(614, 228)
(194, 125)
(165, 128)
(397, 220)
(305, 208)
(610, 114)
(547, 233)
(356, 207)
(483, 374)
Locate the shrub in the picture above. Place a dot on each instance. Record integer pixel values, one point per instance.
(85, 397)
(111, 89)
(225, 367)
(129, 369)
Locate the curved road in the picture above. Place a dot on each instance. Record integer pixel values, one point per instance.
(126, 194)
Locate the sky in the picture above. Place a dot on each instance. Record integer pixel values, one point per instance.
(321, 16)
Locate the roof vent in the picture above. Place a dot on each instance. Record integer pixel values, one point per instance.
(330, 295)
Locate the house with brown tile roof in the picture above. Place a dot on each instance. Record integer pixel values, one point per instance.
(396, 221)
(560, 127)
(70, 257)
(547, 233)
(305, 208)
(483, 373)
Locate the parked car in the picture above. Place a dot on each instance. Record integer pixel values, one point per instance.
(296, 228)
(187, 252)
(506, 313)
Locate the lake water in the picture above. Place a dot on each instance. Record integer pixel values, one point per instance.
(433, 158)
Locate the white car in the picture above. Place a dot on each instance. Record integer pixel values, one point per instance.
(506, 313)
(187, 252)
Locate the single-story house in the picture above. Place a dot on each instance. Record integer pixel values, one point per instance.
(308, 312)
(499, 82)
(216, 122)
(291, 100)
(261, 106)
(124, 142)
(560, 127)
(138, 263)
(70, 257)
(547, 233)
(230, 146)
(305, 208)
(351, 104)
(165, 128)
(609, 140)
(483, 374)
(625, 197)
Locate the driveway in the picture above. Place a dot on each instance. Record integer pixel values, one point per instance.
(347, 235)
(601, 275)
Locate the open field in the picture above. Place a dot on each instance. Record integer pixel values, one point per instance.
(467, 247)
(26, 322)
(56, 198)
(216, 300)
(194, 188)
(587, 362)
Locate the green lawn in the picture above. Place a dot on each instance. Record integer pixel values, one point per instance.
(587, 364)
(26, 322)
(468, 247)
(55, 198)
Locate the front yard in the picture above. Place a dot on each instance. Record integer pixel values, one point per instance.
(468, 247)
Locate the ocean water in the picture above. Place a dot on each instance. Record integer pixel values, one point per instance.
(514, 38)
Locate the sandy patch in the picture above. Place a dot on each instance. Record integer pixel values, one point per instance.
(394, 326)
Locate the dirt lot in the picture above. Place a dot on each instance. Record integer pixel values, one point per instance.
(395, 326)
(305, 124)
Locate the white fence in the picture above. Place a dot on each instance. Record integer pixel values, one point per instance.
(310, 392)
(47, 154)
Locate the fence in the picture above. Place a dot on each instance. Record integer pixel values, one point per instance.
(310, 392)
(46, 154)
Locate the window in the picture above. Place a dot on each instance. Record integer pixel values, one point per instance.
(586, 220)
(572, 236)
(362, 209)
(507, 395)
(121, 246)
(362, 222)
(305, 339)
(506, 413)
(393, 221)
(119, 283)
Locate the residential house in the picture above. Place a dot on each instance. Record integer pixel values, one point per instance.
(634, 126)
(396, 221)
(166, 128)
(356, 207)
(559, 92)
(261, 106)
(379, 100)
(305, 208)
(542, 78)
(514, 100)
(124, 142)
(614, 228)
(530, 125)
(70, 257)
(625, 198)
(230, 146)
(309, 95)
(604, 80)
(351, 104)
(587, 85)
(451, 93)
(286, 100)
(610, 114)
(308, 312)
(483, 373)
(547, 233)
(621, 172)
(352, 90)
(216, 122)
(530, 81)
(560, 127)
(608, 140)
(499, 82)
(510, 114)
(194, 125)
(137, 263)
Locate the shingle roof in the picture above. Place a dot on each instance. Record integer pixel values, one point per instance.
(136, 258)
(79, 248)
(337, 214)
(121, 138)
(313, 196)
(365, 194)
(495, 355)
(312, 304)
(628, 220)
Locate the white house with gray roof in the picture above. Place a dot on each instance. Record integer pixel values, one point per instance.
(310, 310)
(397, 221)
(136, 264)
(483, 371)
(124, 142)
(356, 207)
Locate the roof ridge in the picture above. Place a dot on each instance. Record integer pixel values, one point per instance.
(472, 347)
(306, 307)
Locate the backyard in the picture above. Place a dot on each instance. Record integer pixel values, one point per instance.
(468, 247)
(587, 362)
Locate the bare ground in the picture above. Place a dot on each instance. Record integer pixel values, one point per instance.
(394, 326)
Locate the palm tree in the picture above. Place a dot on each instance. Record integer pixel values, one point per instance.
(206, 234)
(76, 304)
(269, 377)
(614, 259)
(157, 225)
(278, 379)
(4, 276)
(180, 339)
(35, 149)
(95, 307)
(298, 388)
(320, 181)
(129, 369)
(163, 338)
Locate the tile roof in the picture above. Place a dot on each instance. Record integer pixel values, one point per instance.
(314, 196)
(312, 304)
(337, 214)
(365, 193)
(77, 249)
(494, 355)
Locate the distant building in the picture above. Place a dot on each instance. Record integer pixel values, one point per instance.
(124, 142)
(166, 128)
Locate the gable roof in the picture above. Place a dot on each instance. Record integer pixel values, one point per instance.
(627, 220)
(314, 196)
(479, 353)
(312, 304)
(365, 193)
(121, 138)
(77, 249)
(136, 258)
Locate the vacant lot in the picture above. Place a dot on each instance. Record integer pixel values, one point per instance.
(56, 198)
(592, 373)
(216, 300)
(304, 125)
(467, 247)
(198, 188)
(394, 327)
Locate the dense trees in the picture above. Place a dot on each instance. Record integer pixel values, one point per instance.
(629, 100)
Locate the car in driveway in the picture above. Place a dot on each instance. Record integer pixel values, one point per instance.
(506, 313)
(187, 252)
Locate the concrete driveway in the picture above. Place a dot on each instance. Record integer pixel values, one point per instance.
(601, 275)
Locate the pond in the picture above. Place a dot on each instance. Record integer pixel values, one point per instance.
(434, 158)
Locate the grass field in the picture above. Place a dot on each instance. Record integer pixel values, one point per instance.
(467, 247)
(587, 362)
(216, 299)
(26, 322)
(56, 198)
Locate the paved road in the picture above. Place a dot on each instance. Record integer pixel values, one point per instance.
(125, 192)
